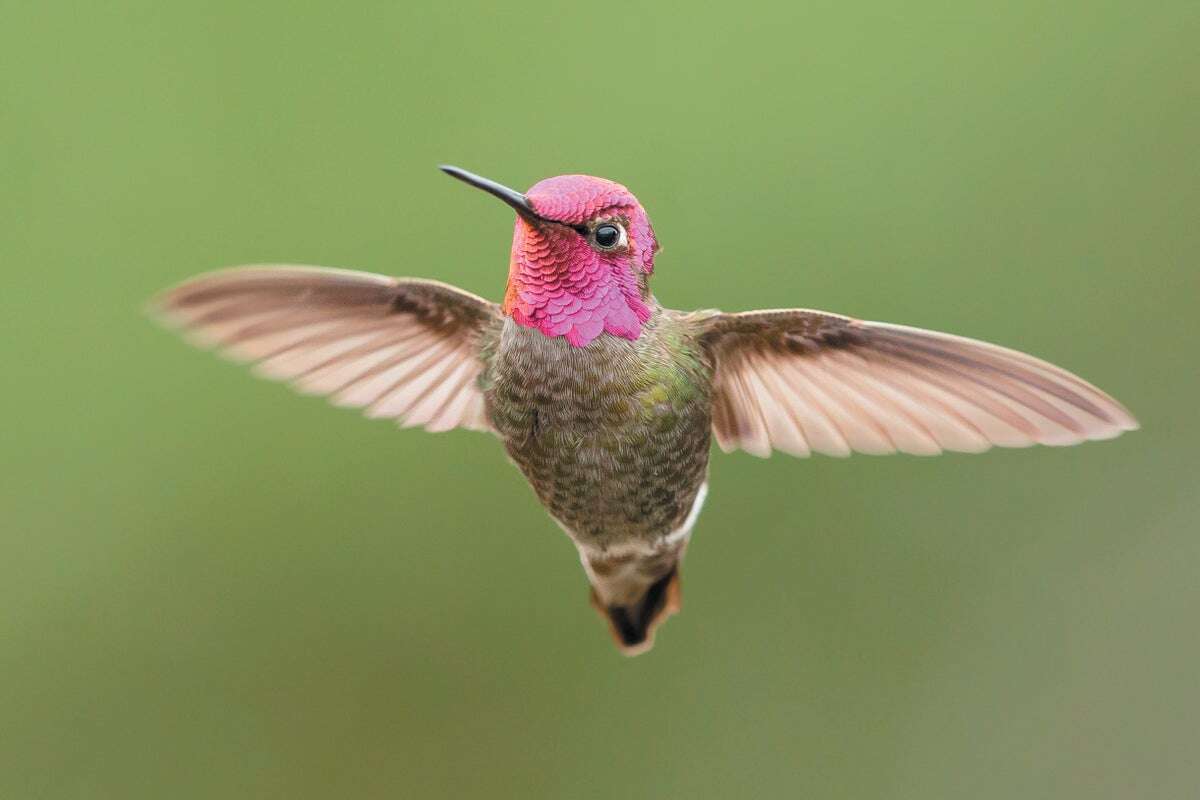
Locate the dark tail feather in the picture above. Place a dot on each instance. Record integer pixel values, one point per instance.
(633, 624)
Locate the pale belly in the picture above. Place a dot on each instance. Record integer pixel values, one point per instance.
(614, 437)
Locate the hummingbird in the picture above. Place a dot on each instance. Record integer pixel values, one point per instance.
(607, 401)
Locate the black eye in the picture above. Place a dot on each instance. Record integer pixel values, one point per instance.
(607, 236)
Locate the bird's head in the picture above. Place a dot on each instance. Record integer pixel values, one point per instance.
(582, 255)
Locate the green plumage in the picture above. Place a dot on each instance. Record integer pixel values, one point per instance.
(614, 436)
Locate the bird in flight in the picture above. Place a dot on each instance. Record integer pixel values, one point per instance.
(606, 400)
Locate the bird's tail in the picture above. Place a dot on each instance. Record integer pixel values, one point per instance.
(635, 592)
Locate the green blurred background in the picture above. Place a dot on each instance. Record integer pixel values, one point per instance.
(211, 587)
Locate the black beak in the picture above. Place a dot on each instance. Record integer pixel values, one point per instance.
(518, 201)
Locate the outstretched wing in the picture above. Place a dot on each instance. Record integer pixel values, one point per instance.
(404, 348)
(802, 381)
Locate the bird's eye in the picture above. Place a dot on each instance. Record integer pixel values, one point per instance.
(609, 236)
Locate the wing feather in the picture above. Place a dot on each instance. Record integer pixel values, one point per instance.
(805, 381)
(405, 349)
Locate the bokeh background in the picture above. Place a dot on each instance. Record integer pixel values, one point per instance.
(210, 587)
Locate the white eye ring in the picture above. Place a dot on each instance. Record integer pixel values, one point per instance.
(603, 238)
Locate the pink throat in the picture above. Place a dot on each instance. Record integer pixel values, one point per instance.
(558, 284)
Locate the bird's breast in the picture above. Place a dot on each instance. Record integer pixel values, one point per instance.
(613, 437)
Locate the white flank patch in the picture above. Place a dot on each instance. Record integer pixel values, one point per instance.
(685, 530)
